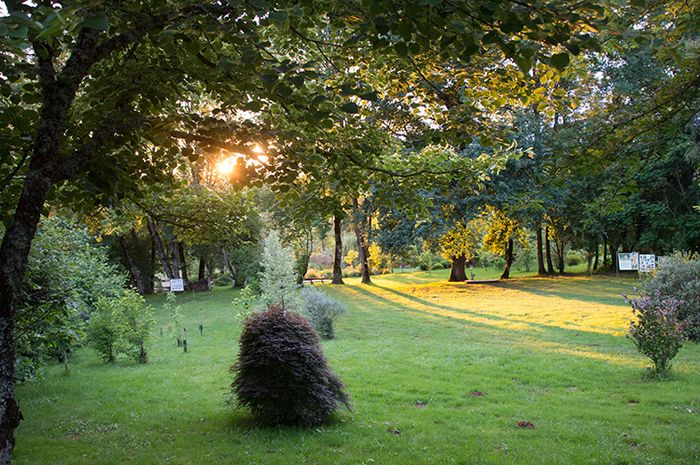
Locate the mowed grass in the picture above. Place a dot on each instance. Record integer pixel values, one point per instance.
(412, 350)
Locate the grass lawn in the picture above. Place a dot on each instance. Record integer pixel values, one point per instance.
(412, 350)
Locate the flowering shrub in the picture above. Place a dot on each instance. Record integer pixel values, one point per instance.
(281, 374)
(657, 331)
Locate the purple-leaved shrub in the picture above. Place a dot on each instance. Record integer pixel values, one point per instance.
(281, 375)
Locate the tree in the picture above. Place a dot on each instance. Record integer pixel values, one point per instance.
(278, 282)
(88, 115)
(459, 246)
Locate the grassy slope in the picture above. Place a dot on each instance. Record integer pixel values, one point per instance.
(549, 351)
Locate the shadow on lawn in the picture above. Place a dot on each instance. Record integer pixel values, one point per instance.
(538, 336)
(570, 288)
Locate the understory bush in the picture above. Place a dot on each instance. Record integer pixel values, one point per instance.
(322, 310)
(657, 331)
(121, 325)
(281, 375)
(66, 273)
(679, 278)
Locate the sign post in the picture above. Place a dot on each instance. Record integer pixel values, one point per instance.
(177, 285)
(628, 261)
(647, 263)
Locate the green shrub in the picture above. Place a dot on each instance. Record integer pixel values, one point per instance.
(281, 375)
(679, 278)
(322, 310)
(121, 325)
(138, 324)
(66, 272)
(657, 332)
(105, 328)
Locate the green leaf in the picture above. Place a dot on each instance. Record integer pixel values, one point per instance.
(401, 49)
(279, 16)
(523, 63)
(370, 96)
(350, 107)
(560, 60)
(99, 22)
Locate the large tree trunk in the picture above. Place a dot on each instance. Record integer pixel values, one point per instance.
(362, 243)
(509, 259)
(183, 262)
(458, 272)
(548, 251)
(134, 272)
(175, 257)
(202, 272)
(158, 243)
(597, 254)
(363, 255)
(227, 264)
(338, 256)
(14, 254)
(540, 256)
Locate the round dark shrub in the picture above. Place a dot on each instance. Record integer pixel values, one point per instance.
(281, 375)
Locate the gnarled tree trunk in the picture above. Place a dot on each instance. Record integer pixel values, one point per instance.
(458, 271)
(338, 256)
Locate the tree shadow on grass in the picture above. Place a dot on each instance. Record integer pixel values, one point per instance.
(570, 290)
(538, 336)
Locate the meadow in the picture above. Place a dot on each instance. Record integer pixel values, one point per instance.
(528, 371)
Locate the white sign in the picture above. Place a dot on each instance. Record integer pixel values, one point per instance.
(647, 263)
(628, 261)
(177, 285)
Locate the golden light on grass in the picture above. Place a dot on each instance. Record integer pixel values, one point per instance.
(528, 312)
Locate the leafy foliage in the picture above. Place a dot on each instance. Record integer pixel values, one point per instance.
(351, 257)
(657, 332)
(66, 275)
(281, 374)
(278, 279)
(121, 325)
(678, 278)
(460, 241)
(322, 310)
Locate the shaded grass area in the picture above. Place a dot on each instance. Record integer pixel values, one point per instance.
(412, 350)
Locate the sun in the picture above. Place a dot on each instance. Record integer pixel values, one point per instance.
(226, 166)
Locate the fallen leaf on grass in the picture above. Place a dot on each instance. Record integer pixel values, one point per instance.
(526, 424)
